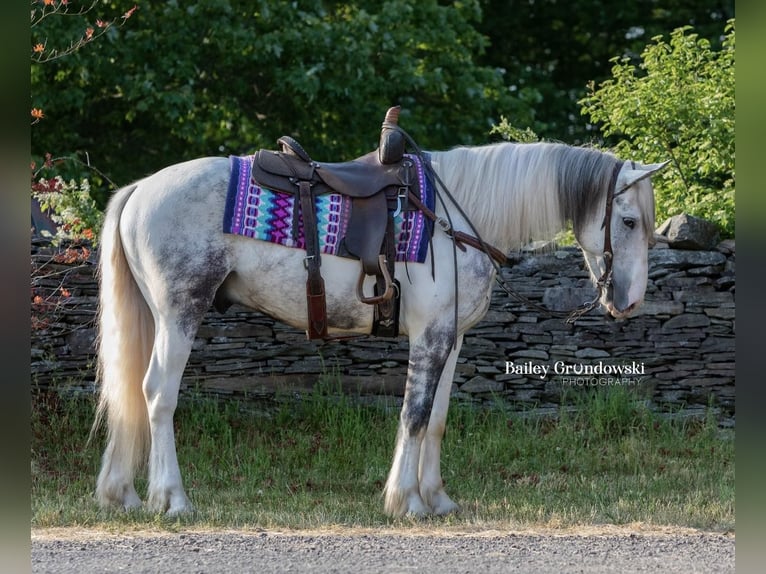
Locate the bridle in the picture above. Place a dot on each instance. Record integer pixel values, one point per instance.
(605, 280)
(496, 256)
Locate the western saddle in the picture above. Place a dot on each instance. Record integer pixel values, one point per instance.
(379, 185)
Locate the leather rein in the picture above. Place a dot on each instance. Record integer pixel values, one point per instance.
(496, 256)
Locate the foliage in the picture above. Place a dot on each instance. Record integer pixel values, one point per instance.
(70, 206)
(510, 132)
(215, 77)
(549, 50)
(321, 460)
(678, 104)
(229, 76)
(41, 9)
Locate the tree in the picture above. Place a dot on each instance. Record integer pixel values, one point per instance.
(229, 76)
(677, 104)
(67, 206)
(550, 50)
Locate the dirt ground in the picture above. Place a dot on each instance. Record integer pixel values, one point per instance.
(361, 551)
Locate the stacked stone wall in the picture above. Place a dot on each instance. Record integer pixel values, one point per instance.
(679, 350)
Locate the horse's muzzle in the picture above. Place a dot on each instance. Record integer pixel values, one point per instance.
(620, 314)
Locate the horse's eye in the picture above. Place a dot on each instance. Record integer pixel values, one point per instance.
(629, 223)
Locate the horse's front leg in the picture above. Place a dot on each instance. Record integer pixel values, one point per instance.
(431, 484)
(428, 354)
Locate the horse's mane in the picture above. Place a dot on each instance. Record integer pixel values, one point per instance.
(517, 193)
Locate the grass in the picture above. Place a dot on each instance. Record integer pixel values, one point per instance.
(321, 462)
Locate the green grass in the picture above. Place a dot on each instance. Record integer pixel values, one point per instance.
(321, 462)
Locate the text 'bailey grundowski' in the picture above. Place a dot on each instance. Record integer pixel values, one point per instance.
(579, 369)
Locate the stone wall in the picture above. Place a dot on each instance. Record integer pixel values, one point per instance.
(679, 349)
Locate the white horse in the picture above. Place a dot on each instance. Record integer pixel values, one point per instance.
(164, 260)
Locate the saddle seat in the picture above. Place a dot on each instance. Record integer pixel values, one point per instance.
(359, 178)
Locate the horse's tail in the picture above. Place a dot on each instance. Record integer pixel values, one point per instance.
(125, 339)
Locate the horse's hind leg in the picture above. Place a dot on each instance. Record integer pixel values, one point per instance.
(428, 354)
(163, 378)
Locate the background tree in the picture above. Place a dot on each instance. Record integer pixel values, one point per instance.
(677, 104)
(228, 76)
(213, 77)
(551, 50)
(60, 209)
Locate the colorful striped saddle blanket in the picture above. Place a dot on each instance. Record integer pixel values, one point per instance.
(254, 211)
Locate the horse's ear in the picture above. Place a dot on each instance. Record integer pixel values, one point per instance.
(641, 171)
(653, 168)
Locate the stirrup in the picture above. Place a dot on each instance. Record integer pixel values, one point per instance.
(387, 294)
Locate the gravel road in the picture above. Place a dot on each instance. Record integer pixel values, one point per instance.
(361, 552)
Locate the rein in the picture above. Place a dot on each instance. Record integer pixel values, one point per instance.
(496, 256)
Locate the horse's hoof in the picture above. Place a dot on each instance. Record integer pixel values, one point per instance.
(441, 504)
(446, 509)
(179, 511)
(132, 503)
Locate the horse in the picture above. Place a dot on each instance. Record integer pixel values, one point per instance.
(164, 261)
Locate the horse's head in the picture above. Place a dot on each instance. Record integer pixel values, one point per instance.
(624, 226)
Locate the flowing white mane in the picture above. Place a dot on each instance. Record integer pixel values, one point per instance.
(516, 193)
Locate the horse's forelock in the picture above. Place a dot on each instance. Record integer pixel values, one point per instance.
(646, 205)
(584, 177)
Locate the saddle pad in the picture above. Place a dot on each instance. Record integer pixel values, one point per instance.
(260, 213)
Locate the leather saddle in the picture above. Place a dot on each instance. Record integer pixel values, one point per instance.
(379, 184)
(361, 178)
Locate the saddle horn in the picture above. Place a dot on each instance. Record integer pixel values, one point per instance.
(290, 146)
(391, 148)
